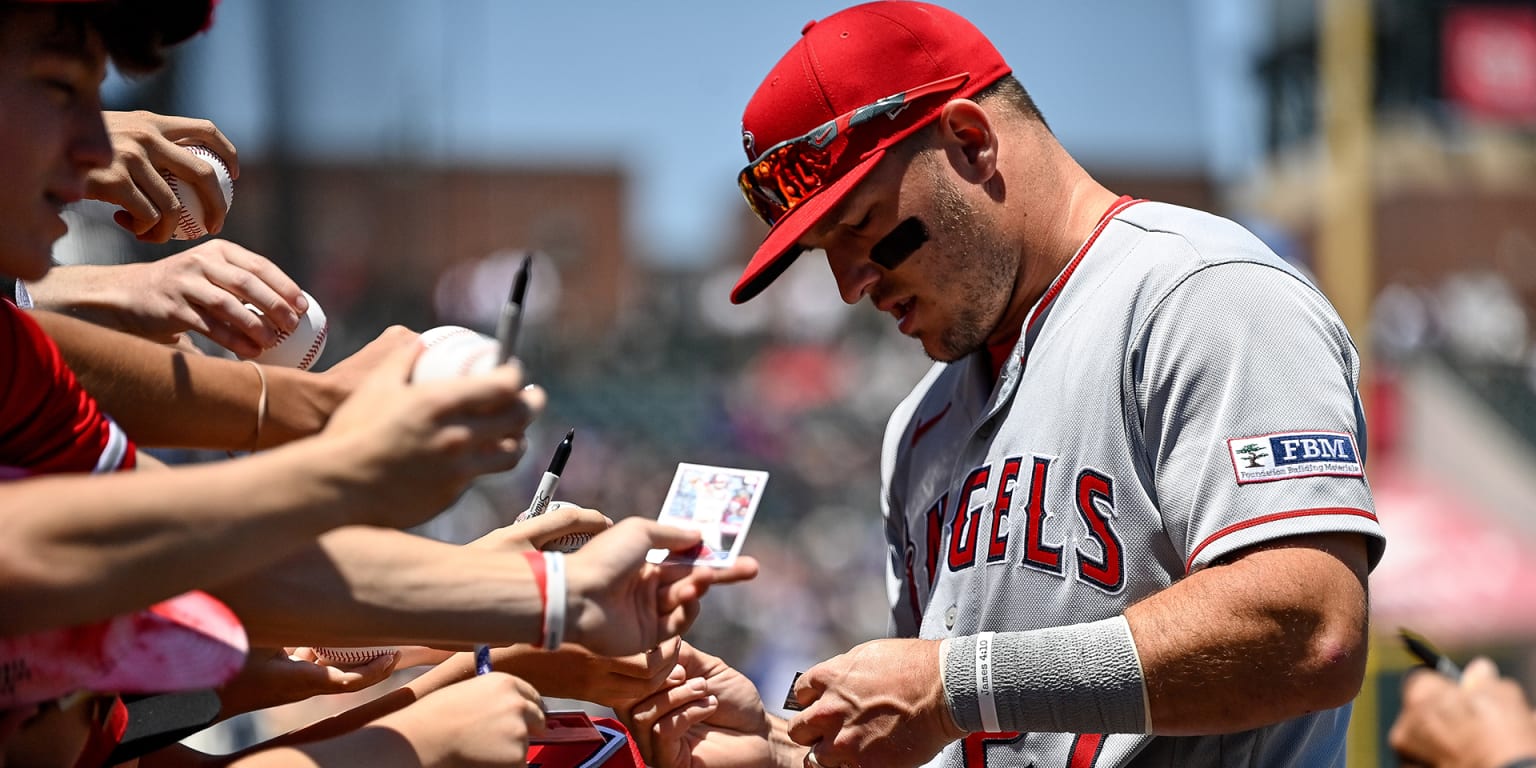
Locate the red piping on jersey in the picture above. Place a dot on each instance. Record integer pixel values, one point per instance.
(1234, 528)
(1123, 202)
(999, 352)
(1085, 749)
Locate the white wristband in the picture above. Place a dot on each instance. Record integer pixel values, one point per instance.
(554, 604)
(986, 691)
(23, 297)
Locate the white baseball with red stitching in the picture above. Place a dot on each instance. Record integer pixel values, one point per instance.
(452, 351)
(191, 221)
(568, 543)
(302, 346)
(351, 657)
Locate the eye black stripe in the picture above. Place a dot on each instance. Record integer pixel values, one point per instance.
(903, 241)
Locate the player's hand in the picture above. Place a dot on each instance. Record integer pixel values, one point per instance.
(271, 678)
(880, 704)
(620, 604)
(143, 145)
(404, 452)
(1484, 722)
(561, 519)
(708, 716)
(486, 720)
(573, 672)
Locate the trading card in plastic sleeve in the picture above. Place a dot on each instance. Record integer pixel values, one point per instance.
(790, 702)
(720, 503)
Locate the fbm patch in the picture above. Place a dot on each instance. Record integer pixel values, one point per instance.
(1285, 455)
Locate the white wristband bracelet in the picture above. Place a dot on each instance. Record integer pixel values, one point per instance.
(23, 296)
(554, 604)
(986, 692)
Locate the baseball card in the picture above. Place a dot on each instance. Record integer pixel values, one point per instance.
(720, 503)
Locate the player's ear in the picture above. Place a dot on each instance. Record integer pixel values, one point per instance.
(969, 139)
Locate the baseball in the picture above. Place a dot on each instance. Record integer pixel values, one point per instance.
(567, 543)
(351, 657)
(191, 221)
(301, 347)
(452, 351)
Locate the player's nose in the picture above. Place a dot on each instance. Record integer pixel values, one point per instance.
(854, 272)
(90, 147)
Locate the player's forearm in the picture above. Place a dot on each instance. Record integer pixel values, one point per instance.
(1283, 629)
(80, 548)
(165, 397)
(1275, 634)
(371, 586)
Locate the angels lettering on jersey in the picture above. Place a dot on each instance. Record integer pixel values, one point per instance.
(992, 495)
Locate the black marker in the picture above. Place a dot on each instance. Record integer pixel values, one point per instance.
(551, 476)
(511, 319)
(1426, 653)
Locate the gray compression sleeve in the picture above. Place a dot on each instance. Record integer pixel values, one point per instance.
(1083, 678)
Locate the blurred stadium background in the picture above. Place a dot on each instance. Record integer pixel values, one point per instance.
(399, 156)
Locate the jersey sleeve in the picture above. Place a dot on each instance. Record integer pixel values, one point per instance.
(48, 422)
(1252, 423)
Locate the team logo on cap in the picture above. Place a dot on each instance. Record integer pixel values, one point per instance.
(1284, 455)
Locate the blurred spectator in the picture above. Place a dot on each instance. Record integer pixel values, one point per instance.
(1481, 318)
(1400, 322)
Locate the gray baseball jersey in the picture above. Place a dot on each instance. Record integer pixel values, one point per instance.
(1178, 394)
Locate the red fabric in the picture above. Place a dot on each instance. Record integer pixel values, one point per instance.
(105, 735)
(606, 744)
(48, 423)
(188, 642)
(1489, 61)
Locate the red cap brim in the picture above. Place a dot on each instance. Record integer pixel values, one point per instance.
(190, 641)
(780, 248)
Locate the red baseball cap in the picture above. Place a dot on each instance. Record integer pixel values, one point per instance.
(188, 642)
(175, 20)
(854, 85)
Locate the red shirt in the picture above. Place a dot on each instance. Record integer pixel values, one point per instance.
(48, 422)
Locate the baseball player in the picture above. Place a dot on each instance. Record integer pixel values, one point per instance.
(1126, 516)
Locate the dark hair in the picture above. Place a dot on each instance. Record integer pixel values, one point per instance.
(1007, 90)
(131, 34)
(1011, 92)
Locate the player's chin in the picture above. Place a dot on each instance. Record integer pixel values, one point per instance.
(942, 351)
